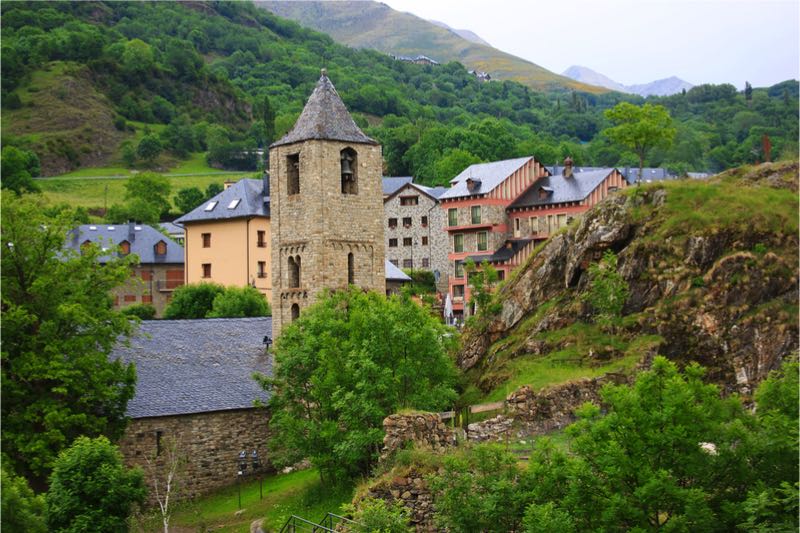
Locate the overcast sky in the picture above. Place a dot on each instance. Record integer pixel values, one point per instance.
(637, 41)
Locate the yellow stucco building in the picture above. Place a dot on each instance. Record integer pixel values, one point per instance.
(228, 238)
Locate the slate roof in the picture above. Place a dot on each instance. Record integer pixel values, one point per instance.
(502, 254)
(395, 274)
(489, 174)
(142, 237)
(648, 174)
(436, 192)
(562, 189)
(393, 184)
(325, 117)
(252, 203)
(196, 366)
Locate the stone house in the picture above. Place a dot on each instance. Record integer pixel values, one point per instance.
(414, 232)
(326, 207)
(160, 269)
(195, 388)
(476, 221)
(227, 237)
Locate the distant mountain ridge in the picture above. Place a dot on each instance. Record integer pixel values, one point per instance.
(466, 34)
(663, 87)
(370, 24)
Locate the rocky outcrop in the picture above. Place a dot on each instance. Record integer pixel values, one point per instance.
(722, 292)
(424, 430)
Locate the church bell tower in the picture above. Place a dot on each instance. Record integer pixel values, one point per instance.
(326, 207)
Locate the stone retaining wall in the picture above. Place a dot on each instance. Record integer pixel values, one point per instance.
(425, 430)
(412, 490)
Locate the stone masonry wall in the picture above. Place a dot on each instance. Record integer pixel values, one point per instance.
(532, 413)
(425, 430)
(436, 249)
(321, 225)
(412, 490)
(209, 443)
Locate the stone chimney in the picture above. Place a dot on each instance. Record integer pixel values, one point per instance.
(473, 184)
(131, 231)
(568, 167)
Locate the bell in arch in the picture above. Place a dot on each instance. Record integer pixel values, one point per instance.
(347, 169)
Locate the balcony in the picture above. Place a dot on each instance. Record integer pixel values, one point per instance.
(168, 285)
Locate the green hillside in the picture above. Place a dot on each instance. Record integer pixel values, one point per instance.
(392, 32)
(164, 85)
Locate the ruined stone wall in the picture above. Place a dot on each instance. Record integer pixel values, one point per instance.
(425, 430)
(209, 444)
(412, 490)
(536, 413)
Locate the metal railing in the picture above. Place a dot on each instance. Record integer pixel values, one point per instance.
(328, 523)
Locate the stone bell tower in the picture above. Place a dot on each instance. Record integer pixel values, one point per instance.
(326, 207)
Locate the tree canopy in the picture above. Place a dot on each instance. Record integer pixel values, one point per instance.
(640, 128)
(669, 454)
(342, 367)
(58, 328)
(91, 490)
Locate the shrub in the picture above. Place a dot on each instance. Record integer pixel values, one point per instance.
(193, 300)
(373, 514)
(91, 490)
(237, 302)
(21, 509)
(143, 311)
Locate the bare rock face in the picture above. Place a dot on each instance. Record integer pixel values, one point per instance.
(723, 294)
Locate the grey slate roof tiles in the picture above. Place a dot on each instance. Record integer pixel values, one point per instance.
(490, 176)
(395, 274)
(141, 237)
(393, 184)
(325, 117)
(561, 189)
(252, 203)
(196, 366)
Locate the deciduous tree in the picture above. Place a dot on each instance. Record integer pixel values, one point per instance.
(640, 128)
(342, 367)
(58, 329)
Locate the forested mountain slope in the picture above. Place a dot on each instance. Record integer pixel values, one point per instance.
(711, 270)
(84, 83)
(367, 24)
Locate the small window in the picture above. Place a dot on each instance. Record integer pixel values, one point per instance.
(295, 312)
(234, 203)
(408, 263)
(406, 222)
(501, 275)
(475, 214)
(392, 243)
(160, 248)
(409, 200)
(516, 227)
(425, 262)
(294, 272)
(534, 221)
(262, 269)
(483, 241)
(159, 435)
(407, 241)
(293, 174)
(458, 291)
(129, 298)
(459, 269)
(394, 262)
(262, 239)
(392, 223)
(452, 217)
(124, 248)
(562, 221)
(458, 242)
(425, 241)
(206, 270)
(424, 222)
(210, 206)
(206, 240)
(351, 269)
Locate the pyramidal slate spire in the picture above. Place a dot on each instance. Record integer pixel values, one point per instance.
(325, 117)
